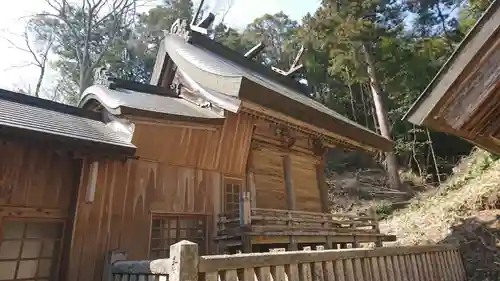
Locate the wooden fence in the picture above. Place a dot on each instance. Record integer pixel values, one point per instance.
(418, 263)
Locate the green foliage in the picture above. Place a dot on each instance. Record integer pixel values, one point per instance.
(383, 210)
(277, 32)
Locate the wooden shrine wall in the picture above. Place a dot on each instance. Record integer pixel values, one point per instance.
(216, 148)
(178, 171)
(126, 196)
(267, 168)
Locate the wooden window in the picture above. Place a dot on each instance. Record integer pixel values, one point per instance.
(30, 250)
(232, 189)
(170, 229)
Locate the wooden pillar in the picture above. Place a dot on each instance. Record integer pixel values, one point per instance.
(373, 214)
(247, 244)
(246, 215)
(111, 258)
(250, 180)
(251, 187)
(290, 196)
(329, 244)
(292, 242)
(322, 186)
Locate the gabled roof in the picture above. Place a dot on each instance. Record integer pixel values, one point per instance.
(225, 73)
(26, 116)
(470, 47)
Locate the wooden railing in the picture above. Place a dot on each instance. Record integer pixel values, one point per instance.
(273, 221)
(418, 263)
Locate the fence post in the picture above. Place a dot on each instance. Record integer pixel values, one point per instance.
(184, 258)
(110, 258)
(373, 213)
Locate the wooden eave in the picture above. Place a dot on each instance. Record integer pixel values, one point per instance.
(463, 63)
(328, 138)
(138, 113)
(144, 105)
(35, 120)
(78, 146)
(464, 98)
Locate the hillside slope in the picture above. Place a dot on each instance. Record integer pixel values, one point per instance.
(464, 211)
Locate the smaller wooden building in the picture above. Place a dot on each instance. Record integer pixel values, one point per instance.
(42, 145)
(464, 97)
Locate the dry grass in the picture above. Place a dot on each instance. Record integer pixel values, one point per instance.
(430, 218)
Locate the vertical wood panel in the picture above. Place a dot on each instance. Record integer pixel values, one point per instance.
(267, 166)
(305, 183)
(31, 176)
(120, 216)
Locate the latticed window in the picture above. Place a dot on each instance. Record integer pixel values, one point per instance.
(232, 190)
(170, 229)
(30, 250)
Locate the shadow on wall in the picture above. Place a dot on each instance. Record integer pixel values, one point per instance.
(479, 240)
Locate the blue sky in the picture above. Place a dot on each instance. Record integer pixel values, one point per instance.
(241, 13)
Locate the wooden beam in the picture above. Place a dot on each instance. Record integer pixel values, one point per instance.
(323, 188)
(167, 123)
(29, 212)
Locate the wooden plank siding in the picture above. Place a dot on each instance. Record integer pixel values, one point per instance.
(179, 170)
(267, 165)
(127, 194)
(206, 147)
(307, 193)
(39, 183)
(34, 177)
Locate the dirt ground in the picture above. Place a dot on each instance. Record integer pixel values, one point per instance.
(479, 240)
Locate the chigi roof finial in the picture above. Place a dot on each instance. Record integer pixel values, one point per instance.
(102, 74)
(180, 27)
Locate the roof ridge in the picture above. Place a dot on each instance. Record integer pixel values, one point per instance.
(48, 104)
(217, 48)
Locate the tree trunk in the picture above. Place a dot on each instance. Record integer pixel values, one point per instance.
(85, 80)
(39, 81)
(383, 120)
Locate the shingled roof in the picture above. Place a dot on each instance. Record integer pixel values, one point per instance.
(31, 117)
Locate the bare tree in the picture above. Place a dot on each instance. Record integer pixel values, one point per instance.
(36, 44)
(87, 31)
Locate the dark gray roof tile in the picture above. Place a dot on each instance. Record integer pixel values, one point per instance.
(40, 116)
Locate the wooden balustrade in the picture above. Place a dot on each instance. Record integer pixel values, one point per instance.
(273, 220)
(417, 263)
